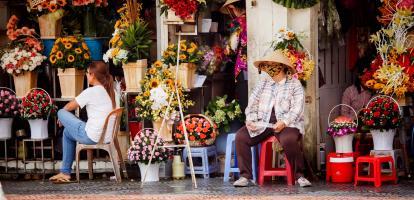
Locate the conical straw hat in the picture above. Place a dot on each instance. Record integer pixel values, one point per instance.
(275, 57)
(223, 8)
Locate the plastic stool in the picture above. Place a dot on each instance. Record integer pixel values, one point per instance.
(375, 174)
(231, 147)
(266, 169)
(204, 153)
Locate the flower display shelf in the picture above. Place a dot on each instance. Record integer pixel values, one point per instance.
(343, 144)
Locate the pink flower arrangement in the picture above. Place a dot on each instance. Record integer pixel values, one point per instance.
(143, 144)
(9, 104)
(97, 3)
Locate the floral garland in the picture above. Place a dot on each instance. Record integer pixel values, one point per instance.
(288, 42)
(142, 146)
(392, 71)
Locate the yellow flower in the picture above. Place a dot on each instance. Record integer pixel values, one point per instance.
(158, 64)
(147, 93)
(167, 73)
(71, 58)
(68, 46)
(52, 59)
(59, 40)
(378, 86)
(86, 56)
(117, 24)
(193, 45)
(154, 83)
(54, 49)
(78, 50)
(171, 46)
(85, 46)
(183, 57)
(170, 83)
(171, 53)
(59, 55)
(152, 71)
(191, 50)
(183, 47)
(165, 54)
(370, 83)
(65, 40)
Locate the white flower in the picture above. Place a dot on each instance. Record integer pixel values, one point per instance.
(159, 98)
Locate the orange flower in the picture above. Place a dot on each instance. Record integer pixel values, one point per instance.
(205, 130)
(86, 56)
(68, 46)
(71, 58)
(78, 50)
(203, 136)
(177, 135)
(191, 126)
(59, 55)
(191, 138)
(52, 7)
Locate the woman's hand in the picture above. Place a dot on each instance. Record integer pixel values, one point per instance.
(279, 126)
(250, 126)
(59, 123)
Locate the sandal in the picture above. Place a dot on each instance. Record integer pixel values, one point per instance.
(62, 180)
(56, 177)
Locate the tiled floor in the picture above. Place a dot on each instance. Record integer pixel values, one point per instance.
(212, 188)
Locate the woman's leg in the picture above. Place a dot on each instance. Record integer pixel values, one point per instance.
(289, 139)
(243, 151)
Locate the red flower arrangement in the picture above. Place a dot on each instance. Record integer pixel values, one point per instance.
(182, 8)
(381, 113)
(199, 129)
(37, 105)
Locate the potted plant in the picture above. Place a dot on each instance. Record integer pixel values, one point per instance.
(382, 117)
(140, 152)
(36, 108)
(342, 129)
(71, 56)
(190, 56)
(151, 104)
(9, 109)
(22, 56)
(181, 10)
(223, 113)
(201, 131)
(131, 48)
(50, 14)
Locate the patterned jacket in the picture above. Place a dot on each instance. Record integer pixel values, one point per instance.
(287, 99)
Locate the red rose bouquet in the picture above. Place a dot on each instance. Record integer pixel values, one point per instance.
(182, 8)
(381, 113)
(9, 104)
(199, 129)
(37, 105)
(143, 144)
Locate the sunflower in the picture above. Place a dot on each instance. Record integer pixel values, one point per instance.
(183, 57)
(170, 83)
(68, 46)
(167, 73)
(154, 83)
(54, 49)
(78, 50)
(86, 56)
(183, 47)
(147, 93)
(191, 50)
(193, 45)
(71, 58)
(65, 40)
(158, 64)
(59, 55)
(165, 54)
(52, 59)
(84, 46)
(52, 7)
(152, 71)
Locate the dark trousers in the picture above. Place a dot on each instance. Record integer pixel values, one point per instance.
(289, 138)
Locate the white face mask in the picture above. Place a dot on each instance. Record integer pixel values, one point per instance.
(231, 13)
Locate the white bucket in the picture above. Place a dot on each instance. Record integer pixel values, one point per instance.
(38, 128)
(205, 25)
(6, 128)
(152, 174)
(343, 144)
(383, 140)
(214, 27)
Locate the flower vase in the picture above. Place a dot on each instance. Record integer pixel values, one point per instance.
(71, 82)
(38, 128)
(89, 22)
(165, 132)
(134, 72)
(24, 82)
(6, 128)
(343, 144)
(152, 173)
(187, 75)
(50, 25)
(383, 139)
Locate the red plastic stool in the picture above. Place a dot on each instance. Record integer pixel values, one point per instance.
(265, 165)
(340, 172)
(375, 174)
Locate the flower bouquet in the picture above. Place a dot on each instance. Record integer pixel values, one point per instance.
(223, 113)
(22, 56)
(181, 10)
(141, 149)
(201, 131)
(212, 60)
(50, 14)
(382, 117)
(37, 106)
(342, 129)
(288, 42)
(9, 108)
(151, 104)
(190, 55)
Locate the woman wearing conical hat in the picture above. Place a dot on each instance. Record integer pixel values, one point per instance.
(277, 100)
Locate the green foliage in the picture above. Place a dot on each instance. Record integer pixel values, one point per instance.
(297, 4)
(223, 113)
(137, 40)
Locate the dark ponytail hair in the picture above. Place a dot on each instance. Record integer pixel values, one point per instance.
(101, 72)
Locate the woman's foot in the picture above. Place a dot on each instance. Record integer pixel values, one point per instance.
(303, 182)
(60, 176)
(243, 182)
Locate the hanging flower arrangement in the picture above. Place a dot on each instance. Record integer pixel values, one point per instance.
(24, 51)
(288, 42)
(182, 8)
(392, 71)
